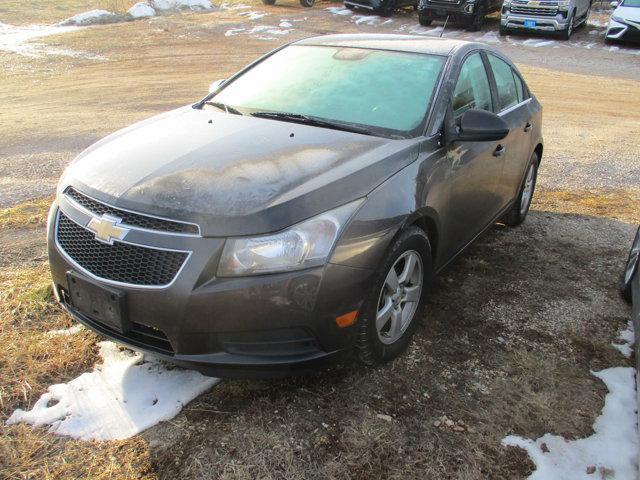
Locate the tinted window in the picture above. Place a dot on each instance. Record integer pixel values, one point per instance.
(505, 83)
(376, 88)
(472, 89)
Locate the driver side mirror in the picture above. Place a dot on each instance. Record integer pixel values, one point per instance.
(215, 86)
(479, 126)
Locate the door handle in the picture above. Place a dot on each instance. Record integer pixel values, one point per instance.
(528, 127)
(499, 151)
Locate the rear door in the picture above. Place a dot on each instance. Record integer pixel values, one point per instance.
(512, 105)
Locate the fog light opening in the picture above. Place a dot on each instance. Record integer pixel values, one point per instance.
(348, 319)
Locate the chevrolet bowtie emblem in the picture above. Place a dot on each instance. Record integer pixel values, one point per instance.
(107, 228)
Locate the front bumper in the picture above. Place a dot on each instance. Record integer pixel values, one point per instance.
(457, 10)
(622, 32)
(543, 24)
(261, 326)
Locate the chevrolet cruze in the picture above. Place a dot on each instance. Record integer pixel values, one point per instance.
(301, 208)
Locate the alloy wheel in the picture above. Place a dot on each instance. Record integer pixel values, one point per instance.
(399, 297)
(527, 190)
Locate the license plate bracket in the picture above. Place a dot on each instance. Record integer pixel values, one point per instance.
(530, 23)
(100, 303)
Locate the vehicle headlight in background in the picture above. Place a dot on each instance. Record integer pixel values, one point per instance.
(617, 19)
(307, 244)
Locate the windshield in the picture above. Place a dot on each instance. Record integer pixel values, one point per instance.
(387, 91)
(631, 3)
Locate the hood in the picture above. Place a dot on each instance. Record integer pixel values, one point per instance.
(231, 174)
(630, 14)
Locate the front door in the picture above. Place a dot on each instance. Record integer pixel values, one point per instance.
(475, 168)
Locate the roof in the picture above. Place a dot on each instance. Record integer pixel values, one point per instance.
(402, 43)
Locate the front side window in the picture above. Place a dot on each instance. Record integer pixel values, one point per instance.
(472, 89)
(505, 82)
(387, 90)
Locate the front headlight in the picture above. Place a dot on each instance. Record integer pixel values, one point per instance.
(307, 244)
(617, 19)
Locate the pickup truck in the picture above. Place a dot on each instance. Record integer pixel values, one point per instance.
(554, 16)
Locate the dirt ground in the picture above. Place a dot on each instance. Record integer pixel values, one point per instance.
(511, 330)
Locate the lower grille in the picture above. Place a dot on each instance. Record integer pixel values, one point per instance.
(120, 262)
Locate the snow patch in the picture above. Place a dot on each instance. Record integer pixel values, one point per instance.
(533, 42)
(339, 11)
(93, 17)
(285, 24)
(366, 19)
(65, 332)
(121, 397)
(612, 450)
(628, 339)
(19, 40)
(141, 10)
(253, 15)
(181, 4)
(489, 37)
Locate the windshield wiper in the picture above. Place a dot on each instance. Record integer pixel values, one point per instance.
(318, 122)
(225, 107)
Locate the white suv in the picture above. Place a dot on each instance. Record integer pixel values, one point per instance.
(624, 24)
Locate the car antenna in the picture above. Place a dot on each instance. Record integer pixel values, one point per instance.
(444, 26)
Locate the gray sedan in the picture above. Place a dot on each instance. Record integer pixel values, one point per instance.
(301, 208)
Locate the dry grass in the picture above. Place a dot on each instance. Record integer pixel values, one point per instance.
(618, 204)
(29, 214)
(30, 361)
(24, 12)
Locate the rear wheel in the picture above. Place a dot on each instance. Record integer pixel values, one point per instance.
(387, 8)
(520, 208)
(424, 20)
(389, 316)
(478, 19)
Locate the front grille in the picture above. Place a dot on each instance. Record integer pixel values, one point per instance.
(549, 11)
(130, 218)
(120, 262)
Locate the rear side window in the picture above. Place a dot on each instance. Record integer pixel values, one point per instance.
(519, 86)
(505, 83)
(472, 89)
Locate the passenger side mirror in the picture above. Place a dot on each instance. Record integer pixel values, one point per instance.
(479, 126)
(215, 86)
(614, 4)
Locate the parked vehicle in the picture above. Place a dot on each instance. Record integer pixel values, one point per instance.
(631, 268)
(469, 12)
(271, 226)
(304, 3)
(384, 8)
(624, 24)
(560, 17)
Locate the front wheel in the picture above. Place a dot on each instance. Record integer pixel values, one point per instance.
(425, 21)
(520, 208)
(567, 32)
(387, 8)
(307, 3)
(503, 31)
(389, 315)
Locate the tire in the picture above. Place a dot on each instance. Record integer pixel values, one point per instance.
(269, 2)
(503, 31)
(387, 9)
(307, 3)
(520, 208)
(478, 19)
(567, 32)
(625, 290)
(378, 341)
(425, 21)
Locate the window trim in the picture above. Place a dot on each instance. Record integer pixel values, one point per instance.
(455, 84)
